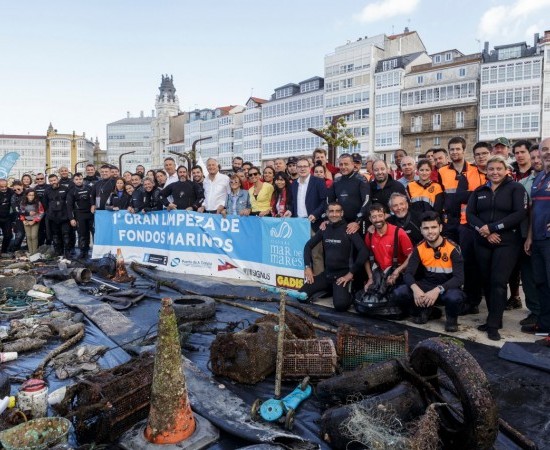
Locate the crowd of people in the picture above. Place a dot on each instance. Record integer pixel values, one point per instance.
(439, 229)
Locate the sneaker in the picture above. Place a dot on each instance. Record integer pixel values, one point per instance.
(531, 319)
(493, 334)
(513, 303)
(451, 324)
(534, 329)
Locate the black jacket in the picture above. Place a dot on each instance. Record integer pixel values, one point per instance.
(91, 180)
(114, 201)
(502, 210)
(79, 201)
(101, 192)
(186, 194)
(55, 202)
(353, 193)
(411, 224)
(150, 201)
(5, 204)
(382, 195)
(338, 247)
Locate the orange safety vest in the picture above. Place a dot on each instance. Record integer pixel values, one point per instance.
(450, 179)
(419, 193)
(437, 260)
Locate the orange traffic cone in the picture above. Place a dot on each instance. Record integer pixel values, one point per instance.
(170, 417)
(121, 274)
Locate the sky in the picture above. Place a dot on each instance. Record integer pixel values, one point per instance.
(83, 64)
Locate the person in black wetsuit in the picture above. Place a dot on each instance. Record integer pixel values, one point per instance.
(495, 210)
(79, 208)
(340, 266)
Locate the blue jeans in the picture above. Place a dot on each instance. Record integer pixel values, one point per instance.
(540, 258)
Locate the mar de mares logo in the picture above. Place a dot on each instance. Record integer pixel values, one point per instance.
(225, 265)
(175, 262)
(283, 231)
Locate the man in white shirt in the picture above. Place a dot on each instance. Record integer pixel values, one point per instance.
(216, 188)
(170, 169)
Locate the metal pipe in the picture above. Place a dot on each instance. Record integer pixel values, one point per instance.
(120, 159)
(79, 162)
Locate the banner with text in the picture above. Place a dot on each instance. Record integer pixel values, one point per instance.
(268, 250)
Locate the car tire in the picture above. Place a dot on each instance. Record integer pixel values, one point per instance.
(194, 307)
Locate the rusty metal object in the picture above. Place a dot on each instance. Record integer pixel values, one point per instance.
(105, 405)
(315, 358)
(373, 379)
(355, 348)
(470, 419)
(36, 434)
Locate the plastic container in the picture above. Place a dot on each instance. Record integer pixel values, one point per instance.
(37, 434)
(6, 402)
(7, 356)
(33, 397)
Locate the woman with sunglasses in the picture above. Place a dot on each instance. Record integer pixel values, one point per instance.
(238, 200)
(496, 210)
(281, 202)
(260, 194)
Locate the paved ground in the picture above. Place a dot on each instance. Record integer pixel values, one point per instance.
(467, 325)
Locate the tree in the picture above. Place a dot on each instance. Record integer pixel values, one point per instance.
(335, 134)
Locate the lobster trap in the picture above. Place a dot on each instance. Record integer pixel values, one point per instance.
(315, 358)
(355, 348)
(103, 406)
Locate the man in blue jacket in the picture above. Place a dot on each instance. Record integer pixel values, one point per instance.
(309, 197)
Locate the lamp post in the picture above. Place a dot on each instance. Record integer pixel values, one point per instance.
(191, 156)
(78, 163)
(120, 160)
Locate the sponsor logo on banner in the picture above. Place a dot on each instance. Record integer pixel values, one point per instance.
(283, 231)
(289, 282)
(225, 265)
(262, 276)
(155, 259)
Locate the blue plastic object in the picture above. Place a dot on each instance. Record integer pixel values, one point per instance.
(301, 296)
(273, 409)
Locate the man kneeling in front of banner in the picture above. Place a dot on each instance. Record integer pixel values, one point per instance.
(435, 273)
(340, 265)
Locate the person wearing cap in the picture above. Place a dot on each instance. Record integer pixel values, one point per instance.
(291, 168)
(352, 192)
(357, 162)
(501, 146)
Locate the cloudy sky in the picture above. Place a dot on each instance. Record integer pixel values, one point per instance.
(81, 65)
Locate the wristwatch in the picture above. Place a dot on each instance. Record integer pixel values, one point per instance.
(441, 289)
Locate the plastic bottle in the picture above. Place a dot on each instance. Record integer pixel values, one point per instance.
(7, 356)
(7, 402)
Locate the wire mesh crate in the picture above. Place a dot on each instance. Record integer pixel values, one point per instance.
(105, 405)
(355, 348)
(309, 357)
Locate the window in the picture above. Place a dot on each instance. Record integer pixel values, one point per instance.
(460, 119)
(416, 124)
(436, 121)
(462, 72)
(417, 143)
(420, 79)
(438, 76)
(448, 56)
(388, 65)
(437, 141)
(437, 59)
(508, 53)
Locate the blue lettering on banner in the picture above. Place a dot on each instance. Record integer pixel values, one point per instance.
(275, 242)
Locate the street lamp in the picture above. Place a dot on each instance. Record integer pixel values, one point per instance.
(78, 163)
(120, 160)
(191, 156)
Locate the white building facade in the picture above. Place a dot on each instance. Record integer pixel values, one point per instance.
(545, 51)
(285, 119)
(31, 151)
(511, 92)
(132, 134)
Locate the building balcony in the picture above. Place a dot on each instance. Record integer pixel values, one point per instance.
(430, 128)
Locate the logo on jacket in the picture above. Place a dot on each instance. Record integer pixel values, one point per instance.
(283, 231)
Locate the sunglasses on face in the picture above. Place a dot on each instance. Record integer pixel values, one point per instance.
(250, 175)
